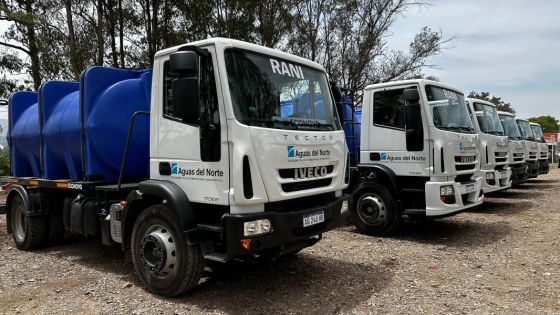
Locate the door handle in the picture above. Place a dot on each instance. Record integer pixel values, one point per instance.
(164, 168)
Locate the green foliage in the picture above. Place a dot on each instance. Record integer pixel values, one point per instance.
(4, 161)
(501, 105)
(548, 123)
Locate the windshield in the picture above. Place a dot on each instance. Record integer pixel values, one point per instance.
(274, 93)
(449, 110)
(510, 126)
(526, 131)
(488, 120)
(537, 131)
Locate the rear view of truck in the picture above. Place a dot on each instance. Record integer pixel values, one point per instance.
(494, 146)
(516, 152)
(194, 160)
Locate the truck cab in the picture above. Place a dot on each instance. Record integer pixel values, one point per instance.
(543, 148)
(494, 146)
(531, 147)
(516, 152)
(194, 160)
(419, 155)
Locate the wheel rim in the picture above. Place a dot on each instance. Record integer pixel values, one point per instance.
(158, 252)
(18, 220)
(371, 209)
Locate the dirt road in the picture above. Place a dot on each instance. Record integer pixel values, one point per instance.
(503, 257)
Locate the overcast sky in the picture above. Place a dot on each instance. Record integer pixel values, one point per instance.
(508, 48)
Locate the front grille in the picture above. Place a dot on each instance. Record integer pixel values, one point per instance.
(297, 186)
(464, 167)
(499, 167)
(500, 154)
(300, 203)
(500, 160)
(532, 155)
(290, 172)
(544, 155)
(500, 157)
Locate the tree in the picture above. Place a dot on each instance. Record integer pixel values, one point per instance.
(501, 105)
(548, 123)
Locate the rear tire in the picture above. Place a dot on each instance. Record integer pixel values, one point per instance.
(165, 263)
(374, 210)
(29, 232)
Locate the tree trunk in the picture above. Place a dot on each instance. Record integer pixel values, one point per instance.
(111, 25)
(33, 50)
(99, 31)
(121, 34)
(74, 63)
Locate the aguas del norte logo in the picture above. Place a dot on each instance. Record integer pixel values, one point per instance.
(295, 153)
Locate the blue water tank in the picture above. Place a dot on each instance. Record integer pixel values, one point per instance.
(109, 99)
(61, 130)
(24, 134)
(351, 126)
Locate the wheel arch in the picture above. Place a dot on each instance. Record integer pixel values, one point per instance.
(380, 174)
(152, 192)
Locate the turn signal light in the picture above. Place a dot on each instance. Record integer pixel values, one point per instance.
(246, 243)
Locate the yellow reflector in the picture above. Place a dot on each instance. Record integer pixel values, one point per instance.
(246, 243)
(34, 182)
(62, 185)
(13, 180)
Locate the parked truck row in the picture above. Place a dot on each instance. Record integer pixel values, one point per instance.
(226, 150)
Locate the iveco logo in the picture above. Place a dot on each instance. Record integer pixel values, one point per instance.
(467, 159)
(310, 172)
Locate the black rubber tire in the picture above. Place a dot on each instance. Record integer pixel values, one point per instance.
(392, 221)
(34, 228)
(56, 229)
(190, 261)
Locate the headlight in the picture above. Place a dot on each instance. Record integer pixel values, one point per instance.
(490, 176)
(257, 227)
(446, 190)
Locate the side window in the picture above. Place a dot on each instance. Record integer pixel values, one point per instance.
(209, 119)
(208, 96)
(388, 109)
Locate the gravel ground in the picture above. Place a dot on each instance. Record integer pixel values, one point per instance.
(500, 258)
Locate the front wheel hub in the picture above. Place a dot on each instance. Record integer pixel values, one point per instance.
(371, 209)
(158, 252)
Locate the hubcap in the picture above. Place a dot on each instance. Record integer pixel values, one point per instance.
(371, 209)
(18, 220)
(158, 252)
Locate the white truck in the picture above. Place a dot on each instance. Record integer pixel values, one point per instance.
(494, 146)
(516, 156)
(531, 147)
(419, 156)
(230, 176)
(543, 148)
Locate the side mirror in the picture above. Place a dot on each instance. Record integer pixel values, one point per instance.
(3, 102)
(411, 95)
(186, 88)
(336, 91)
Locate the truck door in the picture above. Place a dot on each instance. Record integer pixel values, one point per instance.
(194, 154)
(398, 131)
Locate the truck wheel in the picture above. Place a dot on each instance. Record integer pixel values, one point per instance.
(29, 232)
(374, 210)
(164, 261)
(56, 229)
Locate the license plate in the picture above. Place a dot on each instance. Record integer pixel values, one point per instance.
(470, 188)
(313, 218)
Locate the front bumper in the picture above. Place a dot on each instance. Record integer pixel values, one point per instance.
(467, 195)
(543, 166)
(288, 233)
(518, 173)
(501, 181)
(532, 169)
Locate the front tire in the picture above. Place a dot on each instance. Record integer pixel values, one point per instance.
(374, 210)
(165, 263)
(29, 232)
